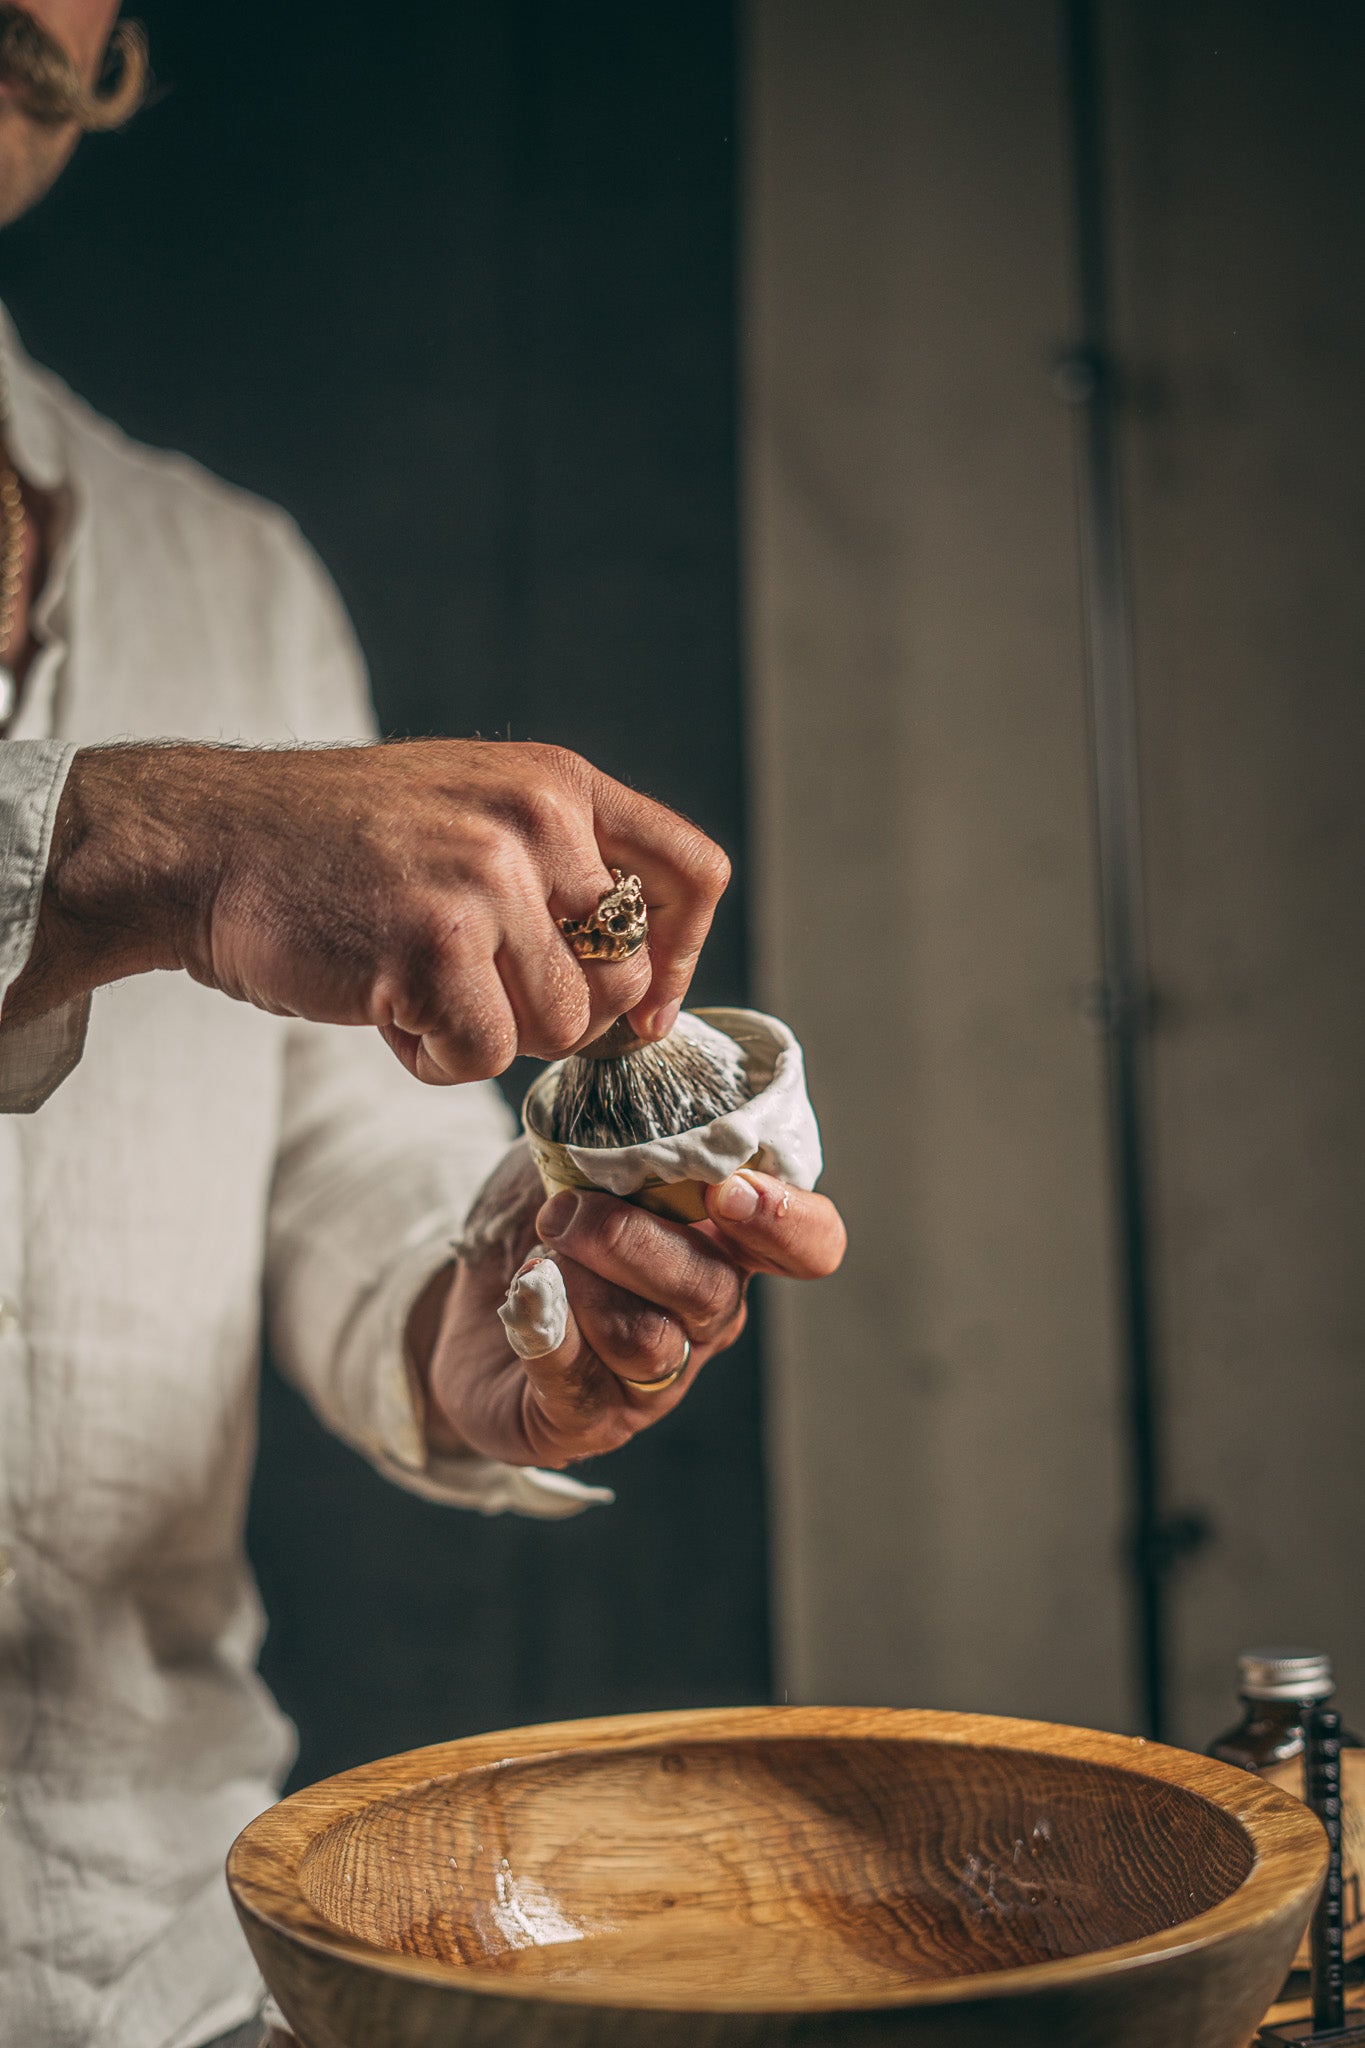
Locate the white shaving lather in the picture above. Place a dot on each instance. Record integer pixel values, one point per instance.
(535, 1314)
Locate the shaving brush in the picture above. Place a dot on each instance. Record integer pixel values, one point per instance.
(622, 1090)
(659, 1124)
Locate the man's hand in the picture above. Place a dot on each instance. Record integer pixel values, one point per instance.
(640, 1288)
(414, 887)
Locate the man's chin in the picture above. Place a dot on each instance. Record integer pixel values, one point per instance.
(32, 158)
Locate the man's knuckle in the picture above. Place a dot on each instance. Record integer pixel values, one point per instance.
(408, 992)
(561, 1003)
(446, 929)
(560, 763)
(718, 1297)
(706, 865)
(501, 1051)
(483, 847)
(549, 813)
(636, 1331)
(557, 780)
(389, 999)
(517, 811)
(486, 1044)
(716, 870)
(561, 1027)
(616, 1226)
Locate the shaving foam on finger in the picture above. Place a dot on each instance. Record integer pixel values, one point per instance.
(535, 1314)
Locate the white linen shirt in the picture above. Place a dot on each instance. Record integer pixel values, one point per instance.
(197, 1158)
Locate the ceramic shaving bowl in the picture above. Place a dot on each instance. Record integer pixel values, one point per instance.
(780, 1875)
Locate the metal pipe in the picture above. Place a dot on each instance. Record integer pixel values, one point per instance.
(1085, 377)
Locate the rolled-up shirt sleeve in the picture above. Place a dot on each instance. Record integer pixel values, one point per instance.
(37, 1055)
(374, 1178)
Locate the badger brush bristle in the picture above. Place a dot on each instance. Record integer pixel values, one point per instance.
(621, 1091)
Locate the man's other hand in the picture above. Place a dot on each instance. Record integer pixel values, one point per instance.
(641, 1290)
(414, 886)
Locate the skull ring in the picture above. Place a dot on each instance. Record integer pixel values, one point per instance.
(617, 928)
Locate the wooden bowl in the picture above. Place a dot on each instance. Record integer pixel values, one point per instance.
(780, 1875)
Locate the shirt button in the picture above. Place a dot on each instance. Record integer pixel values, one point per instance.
(9, 1314)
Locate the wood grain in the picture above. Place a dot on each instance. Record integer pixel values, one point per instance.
(779, 1875)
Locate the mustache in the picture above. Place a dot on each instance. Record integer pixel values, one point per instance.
(49, 87)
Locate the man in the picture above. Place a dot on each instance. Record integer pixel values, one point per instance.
(170, 1157)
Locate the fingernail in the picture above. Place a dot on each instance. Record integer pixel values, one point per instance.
(662, 1022)
(737, 1198)
(558, 1213)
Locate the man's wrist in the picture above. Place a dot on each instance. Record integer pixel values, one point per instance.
(422, 1333)
(131, 846)
(124, 886)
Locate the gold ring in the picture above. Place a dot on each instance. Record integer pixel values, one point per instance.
(666, 1379)
(617, 928)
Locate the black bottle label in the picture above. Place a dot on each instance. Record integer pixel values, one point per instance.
(1289, 1777)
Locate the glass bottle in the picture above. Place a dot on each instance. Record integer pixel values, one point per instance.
(1275, 1686)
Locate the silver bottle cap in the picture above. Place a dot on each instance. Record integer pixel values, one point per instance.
(1285, 1675)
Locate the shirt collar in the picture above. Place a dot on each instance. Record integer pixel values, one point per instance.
(32, 432)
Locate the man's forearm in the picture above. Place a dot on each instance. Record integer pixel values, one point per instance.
(119, 881)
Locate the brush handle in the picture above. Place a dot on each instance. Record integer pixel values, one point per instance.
(614, 1044)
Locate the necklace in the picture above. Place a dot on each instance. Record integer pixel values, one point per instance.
(11, 582)
(11, 562)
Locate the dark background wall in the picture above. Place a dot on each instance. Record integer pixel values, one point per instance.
(952, 1504)
(455, 286)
